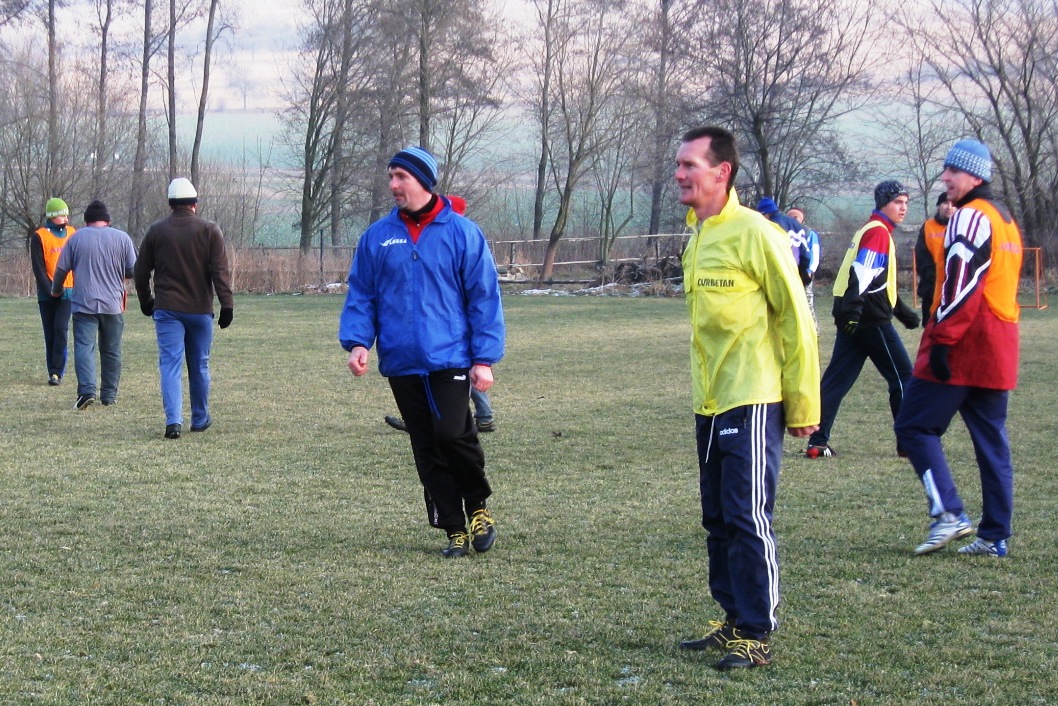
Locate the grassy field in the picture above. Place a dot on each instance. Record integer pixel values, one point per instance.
(283, 556)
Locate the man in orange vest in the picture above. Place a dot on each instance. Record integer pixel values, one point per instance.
(929, 255)
(45, 244)
(968, 359)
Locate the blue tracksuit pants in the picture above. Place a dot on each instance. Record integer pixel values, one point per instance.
(883, 346)
(925, 415)
(739, 452)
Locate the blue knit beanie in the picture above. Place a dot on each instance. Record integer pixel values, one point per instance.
(887, 191)
(419, 163)
(972, 157)
(767, 206)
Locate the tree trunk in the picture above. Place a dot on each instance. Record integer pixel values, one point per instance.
(204, 96)
(661, 123)
(135, 219)
(101, 101)
(545, 122)
(424, 74)
(53, 105)
(171, 78)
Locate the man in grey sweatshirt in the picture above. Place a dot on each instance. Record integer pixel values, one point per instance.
(101, 258)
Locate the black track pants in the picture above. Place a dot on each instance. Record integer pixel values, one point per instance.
(444, 442)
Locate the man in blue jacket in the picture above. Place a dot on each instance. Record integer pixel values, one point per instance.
(423, 289)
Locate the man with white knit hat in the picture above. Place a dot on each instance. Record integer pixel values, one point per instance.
(968, 359)
(184, 254)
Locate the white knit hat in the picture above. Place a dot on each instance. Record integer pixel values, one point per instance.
(181, 189)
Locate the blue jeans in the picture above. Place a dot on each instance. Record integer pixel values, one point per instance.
(106, 329)
(184, 337)
(482, 407)
(55, 318)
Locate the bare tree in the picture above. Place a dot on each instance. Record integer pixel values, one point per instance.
(589, 41)
(12, 10)
(998, 63)
(151, 44)
(340, 68)
(213, 33)
(33, 168)
(550, 18)
(667, 71)
(781, 73)
(917, 128)
(105, 16)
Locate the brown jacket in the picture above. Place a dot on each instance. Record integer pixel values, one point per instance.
(186, 255)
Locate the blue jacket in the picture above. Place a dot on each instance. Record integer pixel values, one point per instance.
(430, 305)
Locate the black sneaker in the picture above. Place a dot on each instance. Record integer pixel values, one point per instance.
(54, 380)
(203, 427)
(84, 401)
(458, 545)
(746, 654)
(107, 403)
(172, 431)
(486, 425)
(717, 638)
(482, 530)
(395, 422)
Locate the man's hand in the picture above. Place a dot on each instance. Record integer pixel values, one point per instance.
(358, 359)
(850, 326)
(226, 315)
(802, 432)
(481, 377)
(147, 307)
(906, 315)
(938, 362)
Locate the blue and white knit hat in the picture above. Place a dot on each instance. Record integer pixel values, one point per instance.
(972, 157)
(419, 163)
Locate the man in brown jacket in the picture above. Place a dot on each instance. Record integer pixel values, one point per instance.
(186, 256)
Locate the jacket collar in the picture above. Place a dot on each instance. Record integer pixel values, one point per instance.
(729, 209)
(877, 215)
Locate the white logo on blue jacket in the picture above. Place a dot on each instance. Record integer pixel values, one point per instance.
(393, 241)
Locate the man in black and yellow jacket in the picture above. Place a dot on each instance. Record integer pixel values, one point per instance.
(865, 302)
(45, 244)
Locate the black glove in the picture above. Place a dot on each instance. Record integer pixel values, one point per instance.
(938, 362)
(226, 315)
(147, 307)
(850, 326)
(906, 315)
(908, 318)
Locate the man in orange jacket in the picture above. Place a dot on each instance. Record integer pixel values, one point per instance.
(968, 359)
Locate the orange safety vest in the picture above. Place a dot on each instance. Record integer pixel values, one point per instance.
(52, 246)
(1001, 283)
(934, 237)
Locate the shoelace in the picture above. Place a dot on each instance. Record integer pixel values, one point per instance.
(745, 647)
(458, 540)
(480, 522)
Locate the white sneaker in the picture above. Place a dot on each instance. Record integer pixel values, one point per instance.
(982, 547)
(943, 530)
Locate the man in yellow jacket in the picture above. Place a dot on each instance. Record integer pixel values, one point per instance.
(755, 369)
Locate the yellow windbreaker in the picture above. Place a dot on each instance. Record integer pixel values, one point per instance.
(752, 340)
